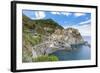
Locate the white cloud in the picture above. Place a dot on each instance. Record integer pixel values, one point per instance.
(79, 14)
(39, 15)
(62, 13)
(85, 22)
(66, 13)
(56, 13)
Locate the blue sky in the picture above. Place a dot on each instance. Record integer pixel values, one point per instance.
(80, 21)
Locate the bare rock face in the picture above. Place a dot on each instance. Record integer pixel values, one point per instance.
(69, 35)
(73, 36)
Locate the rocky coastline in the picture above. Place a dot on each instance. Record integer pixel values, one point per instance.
(59, 40)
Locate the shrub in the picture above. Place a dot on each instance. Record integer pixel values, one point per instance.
(26, 56)
(44, 58)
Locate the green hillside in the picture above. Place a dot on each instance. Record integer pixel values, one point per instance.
(34, 32)
(41, 26)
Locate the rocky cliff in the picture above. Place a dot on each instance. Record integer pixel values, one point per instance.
(69, 35)
(59, 40)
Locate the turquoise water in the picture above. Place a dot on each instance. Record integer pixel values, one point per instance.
(81, 53)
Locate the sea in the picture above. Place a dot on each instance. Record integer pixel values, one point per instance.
(82, 52)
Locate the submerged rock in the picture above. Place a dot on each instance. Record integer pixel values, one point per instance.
(87, 44)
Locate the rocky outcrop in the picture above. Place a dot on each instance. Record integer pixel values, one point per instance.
(69, 35)
(59, 40)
